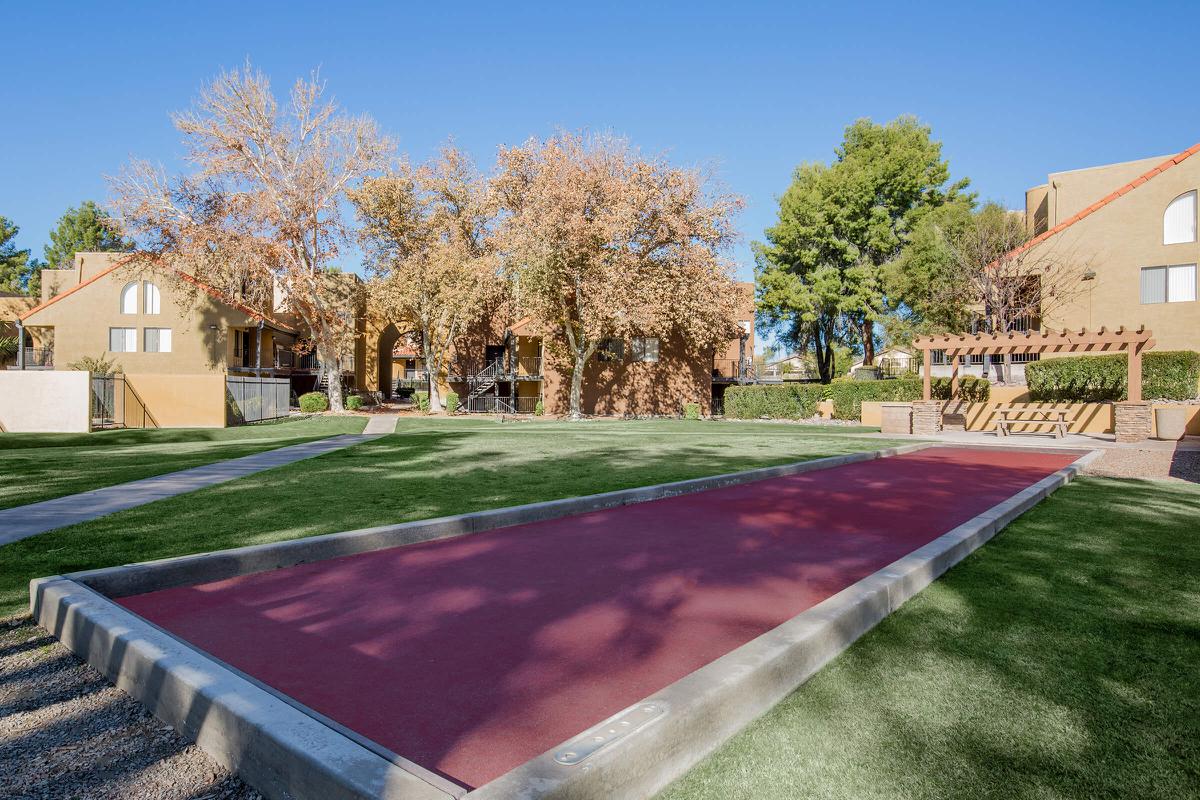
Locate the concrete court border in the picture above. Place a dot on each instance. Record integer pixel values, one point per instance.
(285, 752)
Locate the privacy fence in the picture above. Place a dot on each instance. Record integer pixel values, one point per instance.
(253, 399)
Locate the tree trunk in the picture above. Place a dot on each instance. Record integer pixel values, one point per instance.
(334, 370)
(868, 337)
(433, 369)
(577, 385)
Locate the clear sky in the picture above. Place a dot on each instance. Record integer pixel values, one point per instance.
(1013, 90)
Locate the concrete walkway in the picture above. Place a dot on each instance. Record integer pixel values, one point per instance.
(29, 520)
(382, 424)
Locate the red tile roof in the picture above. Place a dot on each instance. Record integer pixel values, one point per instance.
(209, 290)
(1102, 202)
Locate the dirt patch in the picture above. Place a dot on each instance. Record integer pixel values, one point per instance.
(65, 732)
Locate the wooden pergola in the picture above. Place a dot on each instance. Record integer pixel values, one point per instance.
(1045, 341)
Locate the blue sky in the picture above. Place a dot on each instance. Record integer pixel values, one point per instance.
(751, 89)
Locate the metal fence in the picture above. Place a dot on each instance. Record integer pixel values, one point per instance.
(253, 398)
(108, 401)
(491, 404)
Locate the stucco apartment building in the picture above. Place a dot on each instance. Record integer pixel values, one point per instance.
(1132, 230)
(509, 367)
(171, 335)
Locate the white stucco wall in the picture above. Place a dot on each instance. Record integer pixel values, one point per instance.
(45, 401)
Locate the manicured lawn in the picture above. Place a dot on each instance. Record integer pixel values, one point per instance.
(1060, 661)
(39, 466)
(430, 468)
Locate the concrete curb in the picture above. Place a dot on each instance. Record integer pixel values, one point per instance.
(203, 567)
(285, 752)
(713, 703)
(277, 748)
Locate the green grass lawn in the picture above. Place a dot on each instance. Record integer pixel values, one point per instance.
(1062, 660)
(430, 468)
(39, 466)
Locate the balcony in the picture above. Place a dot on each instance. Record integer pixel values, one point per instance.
(731, 370)
(35, 358)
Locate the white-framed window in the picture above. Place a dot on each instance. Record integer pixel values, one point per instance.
(1175, 283)
(122, 340)
(129, 298)
(1179, 220)
(156, 340)
(151, 298)
(644, 348)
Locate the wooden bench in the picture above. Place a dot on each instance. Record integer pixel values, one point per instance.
(1007, 416)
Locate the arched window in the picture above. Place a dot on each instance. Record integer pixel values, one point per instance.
(129, 298)
(150, 297)
(1179, 220)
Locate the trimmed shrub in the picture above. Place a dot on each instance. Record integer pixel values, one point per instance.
(539, 408)
(1169, 375)
(691, 411)
(422, 401)
(451, 402)
(354, 403)
(312, 402)
(777, 401)
(848, 396)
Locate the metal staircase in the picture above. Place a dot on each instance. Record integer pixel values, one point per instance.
(485, 380)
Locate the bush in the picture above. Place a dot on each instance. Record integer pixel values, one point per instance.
(422, 401)
(1169, 375)
(777, 401)
(539, 408)
(691, 411)
(312, 402)
(451, 402)
(354, 403)
(848, 396)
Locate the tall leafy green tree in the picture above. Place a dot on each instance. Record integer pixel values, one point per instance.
(86, 228)
(15, 265)
(821, 270)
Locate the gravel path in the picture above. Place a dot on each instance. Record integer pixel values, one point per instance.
(1160, 464)
(65, 732)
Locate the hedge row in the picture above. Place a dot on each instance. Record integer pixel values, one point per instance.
(1168, 375)
(800, 400)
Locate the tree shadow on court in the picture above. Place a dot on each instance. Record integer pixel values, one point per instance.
(491, 631)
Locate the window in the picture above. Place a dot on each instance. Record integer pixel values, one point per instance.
(129, 299)
(645, 348)
(156, 340)
(1179, 220)
(123, 340)
(150, 298)
(611, 350)
(1172, 284)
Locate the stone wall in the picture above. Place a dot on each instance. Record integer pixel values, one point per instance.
(1133, 421)
(927, 417)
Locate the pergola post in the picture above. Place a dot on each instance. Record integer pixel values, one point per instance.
(926, 375)
(1135, 373)
(954, 375)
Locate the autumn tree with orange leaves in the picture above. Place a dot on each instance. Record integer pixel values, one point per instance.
(262, 212)
(605, 243)
(428, 233)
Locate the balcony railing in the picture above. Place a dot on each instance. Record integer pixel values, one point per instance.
(35, 358)
(731, 370)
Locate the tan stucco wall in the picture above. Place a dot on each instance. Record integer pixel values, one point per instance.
(199, 324)
(1081, 417)
(1072, 191)
(45, 401)
(174, 401)
(1116, 242)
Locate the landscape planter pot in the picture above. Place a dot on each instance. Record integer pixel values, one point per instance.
(1170, 423)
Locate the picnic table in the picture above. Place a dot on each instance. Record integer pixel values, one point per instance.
(1007, 416)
